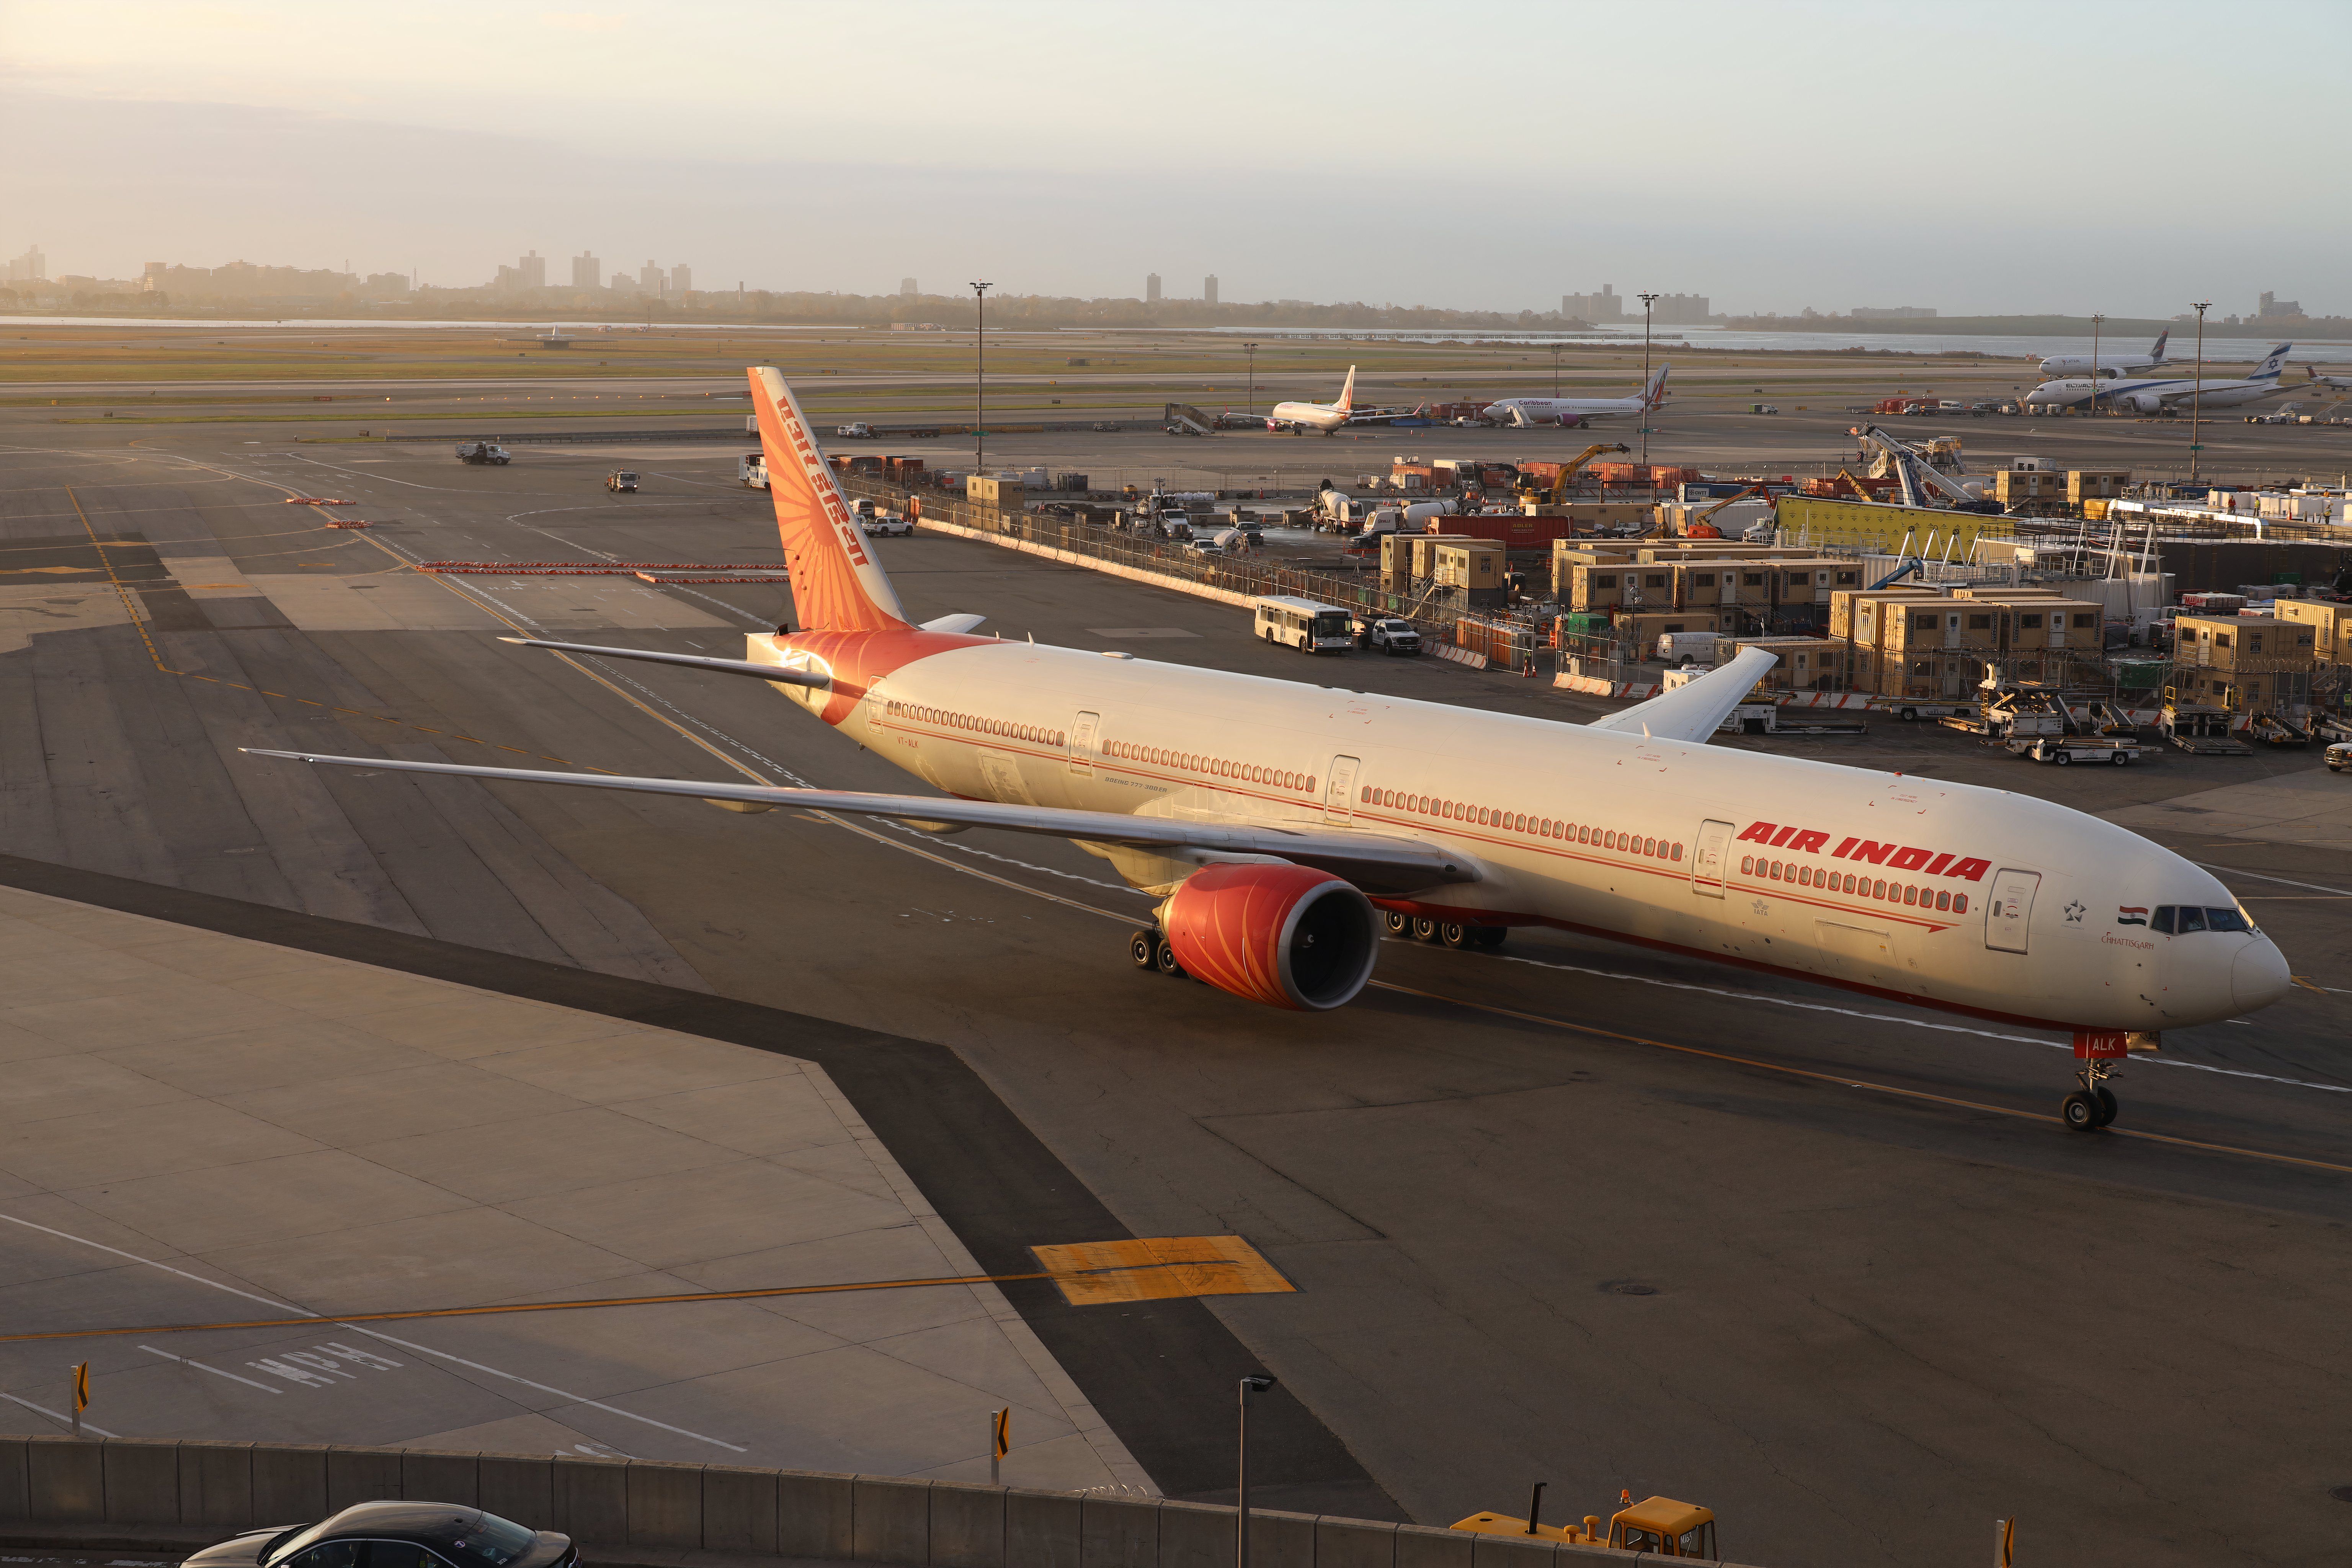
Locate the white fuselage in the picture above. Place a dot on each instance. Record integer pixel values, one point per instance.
(1323, 416)
(2154, 392)
(1550, 410)
(2058, 365)
(1770, 862)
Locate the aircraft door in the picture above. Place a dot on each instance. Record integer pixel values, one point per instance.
(1707, 866)
(1082, 742)
(1339, 794)
(2009, 908)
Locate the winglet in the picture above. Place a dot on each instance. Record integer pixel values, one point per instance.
(837, 586)
(1692, 712)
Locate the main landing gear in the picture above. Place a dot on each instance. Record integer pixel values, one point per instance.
(1149, 949)
(1444, 933)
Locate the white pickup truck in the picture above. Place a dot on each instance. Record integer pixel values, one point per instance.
(858, 432)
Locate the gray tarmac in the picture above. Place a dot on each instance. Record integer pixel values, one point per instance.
(1570, 1212)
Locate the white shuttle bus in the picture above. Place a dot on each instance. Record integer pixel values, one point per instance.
(1304, 624)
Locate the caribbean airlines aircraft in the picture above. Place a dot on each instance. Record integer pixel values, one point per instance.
(2109, 365)
(1570, 410)
(1287, 826)
(1323, 417)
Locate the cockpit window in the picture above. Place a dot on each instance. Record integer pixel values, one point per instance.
(2181, 920)
(2227, 920)
(2189, 919)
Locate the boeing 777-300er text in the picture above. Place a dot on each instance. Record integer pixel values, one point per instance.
(1575, 410)
(2110, 365)
(1323, 417)
(2154, 396)
(1285, 826)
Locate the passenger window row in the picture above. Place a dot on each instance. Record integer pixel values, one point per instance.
(1938, 899)
(2180, 919)
(1518, 822)
(973, 723)
(1215, 768)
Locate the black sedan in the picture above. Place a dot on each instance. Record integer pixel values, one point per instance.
(396, 1535)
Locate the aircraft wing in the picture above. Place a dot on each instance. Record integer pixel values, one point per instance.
(1693, 711)
(1379, 863)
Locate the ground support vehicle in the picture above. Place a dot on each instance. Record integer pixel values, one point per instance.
(2273, 731)
(857, 432)
(753, 472)
(2200, 731)
(621, 480)
(2065, 749)
(483, 452)
(887, 525)
(1658, 1525)
(1307, 625)
(2339, 756)
(1391, 635)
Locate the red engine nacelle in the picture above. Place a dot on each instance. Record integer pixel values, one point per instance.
(1288, 936)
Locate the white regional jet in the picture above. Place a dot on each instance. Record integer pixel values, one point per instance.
(2110, 365)
(1288, 827)
(1575, 410)
(1323, 417)
(2153, 396)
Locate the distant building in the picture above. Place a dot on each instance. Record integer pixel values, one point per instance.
(2272, 305)
(1151, 288)
(385, 283)
(1892, 312)
(152, 279)
(906, 290)
(34, 268)
(587, 272)
(532, 271)
(1681, 310)
(681, 279)
(1606, 306)
(650, 279)
(1209, 288)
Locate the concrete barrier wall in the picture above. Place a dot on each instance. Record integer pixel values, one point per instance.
(630, 1512)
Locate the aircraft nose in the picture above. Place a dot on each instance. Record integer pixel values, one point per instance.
(2259, 976)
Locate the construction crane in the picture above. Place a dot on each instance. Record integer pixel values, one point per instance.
(1567, 470)
(1691, 526)
(1918, 480)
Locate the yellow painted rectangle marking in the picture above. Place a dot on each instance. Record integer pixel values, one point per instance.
(1155, 1267)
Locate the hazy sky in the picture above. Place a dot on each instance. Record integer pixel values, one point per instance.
(1974, 156)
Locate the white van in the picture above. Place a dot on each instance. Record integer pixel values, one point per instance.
(1304, 624)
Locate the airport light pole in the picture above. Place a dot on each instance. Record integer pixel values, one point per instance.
(1646, 300)
(2095, 320)
(1555, 372)
(979, 381)
(2196, 390)
(1256, 1383)
(1252, 350)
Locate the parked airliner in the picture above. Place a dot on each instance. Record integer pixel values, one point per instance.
(2153, 396)
(1287, 825)
(1323, 417)
(2110, 365)
(1575, 410)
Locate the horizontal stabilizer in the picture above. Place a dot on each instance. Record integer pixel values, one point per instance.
(1376, 862)
(957, 624)
(775, 672)
(1692, 712)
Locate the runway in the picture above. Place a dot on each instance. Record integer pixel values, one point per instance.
(1836, 1278)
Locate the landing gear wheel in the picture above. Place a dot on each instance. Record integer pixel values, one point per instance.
(1423, 929)
(1396, 921)
(1163, 958)
(2107, 1106)
(1454, 935)
(1491, 937)
(1143, 947)
(2080, 1112)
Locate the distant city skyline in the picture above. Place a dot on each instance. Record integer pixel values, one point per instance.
(1870, 172)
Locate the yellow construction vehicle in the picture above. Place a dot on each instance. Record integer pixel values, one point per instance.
(1691, 526)
(1530, 491)
(1658, 1525)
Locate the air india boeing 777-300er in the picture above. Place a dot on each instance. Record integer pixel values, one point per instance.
(1287, 826)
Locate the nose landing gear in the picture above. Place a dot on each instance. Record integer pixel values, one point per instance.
(2094, 1105)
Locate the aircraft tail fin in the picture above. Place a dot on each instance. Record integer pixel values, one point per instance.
(2156, 354)
(2273, 363)
(1347, 392)
(1655, 393)
(837, 584)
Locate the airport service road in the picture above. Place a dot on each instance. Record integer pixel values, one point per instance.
(1821, 1279)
